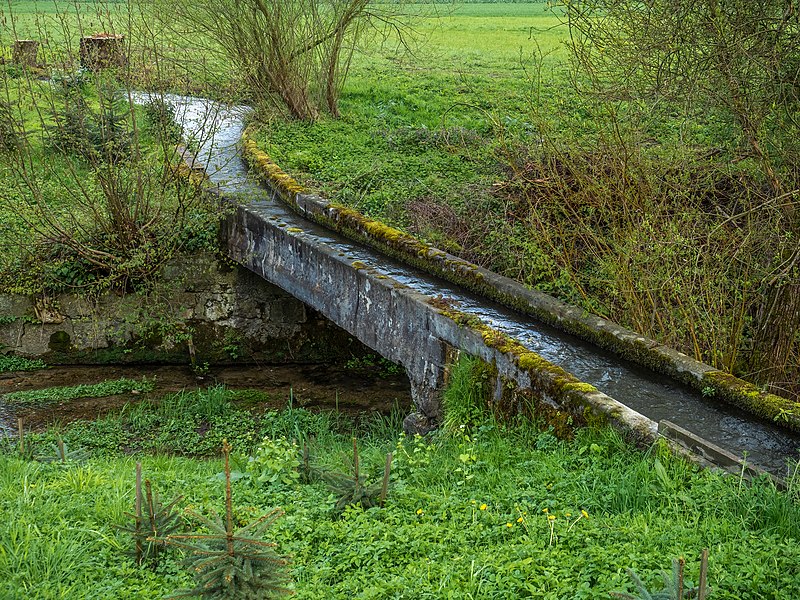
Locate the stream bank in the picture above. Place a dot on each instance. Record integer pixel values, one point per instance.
(363, 389)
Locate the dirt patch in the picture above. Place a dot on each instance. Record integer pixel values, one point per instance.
(308, 386)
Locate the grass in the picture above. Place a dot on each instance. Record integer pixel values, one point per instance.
(425, 124)
(468, 516)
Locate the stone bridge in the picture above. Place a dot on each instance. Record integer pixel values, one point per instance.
(309, 251)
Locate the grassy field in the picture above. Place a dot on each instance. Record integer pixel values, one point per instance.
(484, 511)
(428, 124)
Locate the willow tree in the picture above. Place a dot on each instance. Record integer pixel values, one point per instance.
(737, 61)
(294, 53)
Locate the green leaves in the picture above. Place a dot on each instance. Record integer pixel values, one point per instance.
(97, 390)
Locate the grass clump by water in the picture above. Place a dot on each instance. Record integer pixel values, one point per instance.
(95, 390)
(503, 511)
(10, 362)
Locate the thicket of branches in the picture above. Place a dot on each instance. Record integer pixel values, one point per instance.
(725, 77)
(91, 195)
(292, 54)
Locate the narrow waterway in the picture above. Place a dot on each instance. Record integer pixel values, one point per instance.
(655, 396)
(215, 131)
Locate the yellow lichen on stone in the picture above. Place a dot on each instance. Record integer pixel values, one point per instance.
(285, 184)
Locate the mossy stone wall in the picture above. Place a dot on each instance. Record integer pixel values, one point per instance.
(204, 310)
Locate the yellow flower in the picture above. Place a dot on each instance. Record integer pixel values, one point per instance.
(509, 525)
(483, 507)
(551, 517)
(420, 511)
(545, 511)
(567, 514)
(585, 514)
(520, 520)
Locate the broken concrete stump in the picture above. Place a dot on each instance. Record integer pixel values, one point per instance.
(24, 53)
(102, 51)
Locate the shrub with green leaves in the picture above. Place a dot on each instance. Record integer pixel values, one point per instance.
(275, 462)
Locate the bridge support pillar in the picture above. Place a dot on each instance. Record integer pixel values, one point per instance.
(427, 387)
(428, 414)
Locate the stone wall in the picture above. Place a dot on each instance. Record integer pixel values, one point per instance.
(205, 311)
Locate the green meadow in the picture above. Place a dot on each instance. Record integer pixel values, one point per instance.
(485, 510)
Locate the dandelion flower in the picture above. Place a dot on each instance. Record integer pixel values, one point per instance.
(545, 511)
(584, 514)
(551, 517)
(420, 511)
(483, 507)
(509, 525)
(520, 520)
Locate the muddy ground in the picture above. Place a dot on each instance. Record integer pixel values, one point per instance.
(310, 386)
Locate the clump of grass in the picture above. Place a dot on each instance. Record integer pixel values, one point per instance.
(97, 390)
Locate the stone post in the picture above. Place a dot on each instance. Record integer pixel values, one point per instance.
(102, 50)
(24, 53)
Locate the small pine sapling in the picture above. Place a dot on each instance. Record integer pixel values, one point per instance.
(61, 454)
(675, 588)
(353, 488)
(230, 563)
(153, 522)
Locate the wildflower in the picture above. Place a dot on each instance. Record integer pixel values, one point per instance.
(545, 511)
(584, 514)
(483, 507)
(551, 517)
(420, 511)
(520, 520)
(509, 525)
(567, 515)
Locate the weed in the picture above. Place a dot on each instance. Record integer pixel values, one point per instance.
(275, 461)
(10, 362)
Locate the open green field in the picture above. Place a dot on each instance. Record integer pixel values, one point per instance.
(489, 511)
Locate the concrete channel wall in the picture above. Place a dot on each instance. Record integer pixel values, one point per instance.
(418, 332)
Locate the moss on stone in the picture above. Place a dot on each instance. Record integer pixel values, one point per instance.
(747, 396)
(414, 252)
(579, 386)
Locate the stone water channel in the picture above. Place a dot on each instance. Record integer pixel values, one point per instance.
(216, 130)
(657, 397)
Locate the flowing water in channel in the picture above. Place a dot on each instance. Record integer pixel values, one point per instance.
(657, 397)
